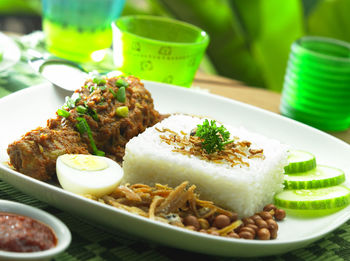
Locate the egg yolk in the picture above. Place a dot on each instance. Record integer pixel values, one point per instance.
(84, 162)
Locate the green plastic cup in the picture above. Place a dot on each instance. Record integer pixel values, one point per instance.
(79, 30)
(158, 48)
(316, 87)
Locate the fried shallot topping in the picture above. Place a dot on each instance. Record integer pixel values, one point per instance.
(234, 153)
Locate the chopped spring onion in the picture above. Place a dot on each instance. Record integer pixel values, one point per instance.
(70, 102)
(99, 80)
(92, 88)
(113, 92)
(93, 114)
(122, 111)
(83, 127)
(122, 83)
(81, 109)
(87, 110)
(63, 113)
(121, 94)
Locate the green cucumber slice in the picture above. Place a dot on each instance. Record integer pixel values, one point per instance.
(300, 161)
(314, 201)
(319, 177)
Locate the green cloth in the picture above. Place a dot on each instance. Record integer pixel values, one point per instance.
(94, 243)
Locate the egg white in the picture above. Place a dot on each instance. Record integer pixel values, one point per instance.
(88, 174)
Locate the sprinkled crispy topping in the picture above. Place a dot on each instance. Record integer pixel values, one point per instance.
(235, 153)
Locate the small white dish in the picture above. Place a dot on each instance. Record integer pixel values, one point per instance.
(60, 229)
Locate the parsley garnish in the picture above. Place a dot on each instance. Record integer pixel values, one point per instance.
(214, 138)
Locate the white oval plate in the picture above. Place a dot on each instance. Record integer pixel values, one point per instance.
(29, 108)
(11, 52)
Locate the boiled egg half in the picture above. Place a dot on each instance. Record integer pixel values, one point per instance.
(88, 174)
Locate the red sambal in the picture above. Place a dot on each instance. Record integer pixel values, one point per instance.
(24, 234)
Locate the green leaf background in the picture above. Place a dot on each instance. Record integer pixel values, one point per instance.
(251, 39)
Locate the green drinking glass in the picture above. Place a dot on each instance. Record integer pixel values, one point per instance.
(158, 48)
(326, 124)
(79, 30)
(316, 87)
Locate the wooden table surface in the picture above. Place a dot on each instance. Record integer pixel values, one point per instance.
(236, 90)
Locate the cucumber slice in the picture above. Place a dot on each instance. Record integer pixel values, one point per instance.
(314, 201)
(300, 161)
(319, 177)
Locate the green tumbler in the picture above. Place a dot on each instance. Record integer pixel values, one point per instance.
(158, 48)
(316, 88)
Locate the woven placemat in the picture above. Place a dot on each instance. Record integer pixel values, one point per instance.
(94, 243)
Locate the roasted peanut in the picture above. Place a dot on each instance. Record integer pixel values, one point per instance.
(265, 215)
(273, 234)
(212, 229)
(280, 214)
(233, 234)
(248, 221)
(246, 235)
(253, 226)
(214, 233)
(270, 207)
(191, 220)
(256, 217)
(271, 224)
(249, 229)
(190, 227)
(221, 221)
(263, 234)
(261, 223)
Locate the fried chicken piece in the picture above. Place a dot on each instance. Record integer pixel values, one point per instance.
(36, 152)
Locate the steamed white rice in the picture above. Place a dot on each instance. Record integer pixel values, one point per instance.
(245, 190)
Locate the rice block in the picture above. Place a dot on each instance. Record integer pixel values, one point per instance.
(244, 187)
